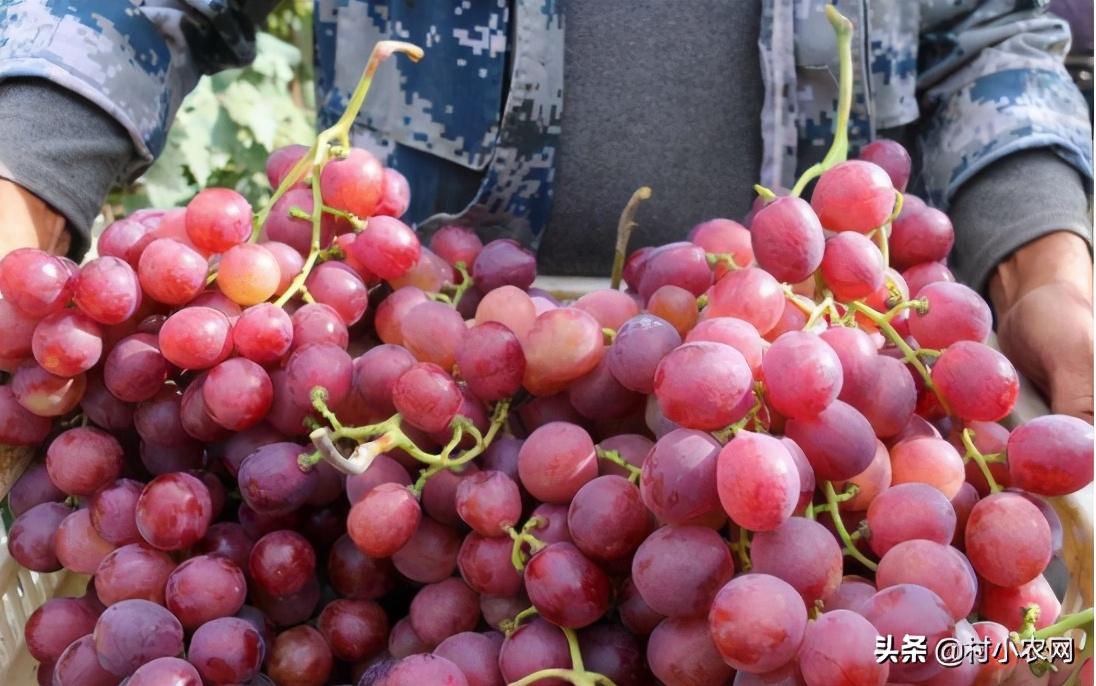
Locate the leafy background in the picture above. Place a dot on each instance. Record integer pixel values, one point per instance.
(231, 121)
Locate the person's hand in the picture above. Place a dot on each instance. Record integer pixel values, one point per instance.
(27, 222)
(1043, 297)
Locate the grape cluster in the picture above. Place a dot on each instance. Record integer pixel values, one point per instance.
(301, 448)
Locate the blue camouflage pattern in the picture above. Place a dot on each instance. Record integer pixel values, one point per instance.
(974, 80)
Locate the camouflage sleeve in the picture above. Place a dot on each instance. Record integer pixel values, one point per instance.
(135, 60)
(993, 83)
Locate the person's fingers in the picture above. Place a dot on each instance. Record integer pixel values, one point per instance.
(28, 222)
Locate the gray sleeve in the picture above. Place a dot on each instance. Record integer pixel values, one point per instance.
(62, 148)
(1010, 203)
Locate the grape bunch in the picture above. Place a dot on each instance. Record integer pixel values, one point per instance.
(298, 447)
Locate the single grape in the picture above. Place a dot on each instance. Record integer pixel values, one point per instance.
(839, 647)
(272, 482)
(78, 546)
(1007, 539)
(910, 610)
(427, 397)
(1051, 455)
(724, 236)
(611, 308)
(928, 460)
(67, 343)
(555, 461)
(638, 347)
(132, 632)
(443, 609)
(135, 369)
(698, 385)
(509, 306)
(174, 511)
(387, 247)
(681, 653)
(1006, 604)
(787, 239)
(196, 338)
(485, 565)
(432, 332)
(891, 404)
(757, 622)
(296, 232)
(82, 460)
(354, 183)
(491, 361)
(384, 520)
(801, 552)
(848, 595)
(125, 239)
(204, 588)
(226, 650)
(853, 196)
(852, 266)
(31, 537)
(920, 236)
(489, 502)
(977, 382)
(607, 519)
(33, 487)
(237, 393)
(318, 323)
(564, 344)
(430, 555)
(354, 629)
(248, 274)
(55, 625)
(838, 442)
(870, 482)
(133, 571)
(356, 576)
(107, 290)
(935, 566)
(680, 264)
(756, 480)
(954, 313)
(476, 654)
(675, 305)
(533, 646)
(165, 670)
(281, 162)
(34, 281)
(679, 569)
(908, 511)
(894, 159)
(282, 562)
(217, 219)
(228, 540)
(43, 394)
(170, 272)
(79, 666)
(337, 285)
(504, 262)
(802, 375)
(750, 294)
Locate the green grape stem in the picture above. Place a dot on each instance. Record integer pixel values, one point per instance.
(842, 532)
(613, 456)
(839, 149)
(577, 675)
(625, 227)
(972, 453)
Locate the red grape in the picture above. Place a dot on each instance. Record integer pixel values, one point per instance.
(107, 290)
(82, 460)
(204, 588)
(133, 571)
(133, 632)
(698, 385)
(196, 338)
(607, 519)
(356, 576)
(639, 345)
(681, 264)
(67, 343)
(174, 511)
(679, 569)
(503, 263)
(79, 666)
(354, 183)
(217, 219)
(751, 294)
(387, 247)
(237, 393)
(802, 375)
(355, 629)
(170, 272)
(1006, 604)
(757, 481)
(852, 266)
(34, 281)
(427, 397)
(909, 511)
(384, 520)
(135, 370)
(976, 381)
(78, 546)
(801, 552)
(564, 344)
(787, 239)
(936, 566)
(281, 563)
(955, 313)
(555, 461)
(431, 553)
(1007, 539)
(910, 610)
(1051, 455)
(838, 442)
(534, 646)
(443, 609)
(509, 306)
(894, 159)
(248, 274)
(757, 623)
(853, 196)
(839, 648)
(55, 625)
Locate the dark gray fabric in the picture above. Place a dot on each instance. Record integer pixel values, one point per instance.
(654, 96)
(1020, 198)
(63, 149)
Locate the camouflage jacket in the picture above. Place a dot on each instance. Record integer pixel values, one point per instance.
(976, 80)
